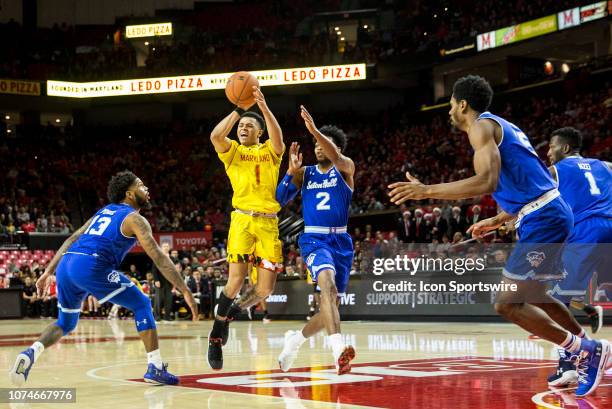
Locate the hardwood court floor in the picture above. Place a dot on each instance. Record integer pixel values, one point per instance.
(398, 365)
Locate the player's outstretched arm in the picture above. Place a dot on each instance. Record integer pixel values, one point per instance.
(295, 168)
(343, 163)
(287, 189)
(137, 225)
(218, 136)
(274, 129)
(480, 228)
(487, 164)
(43, 281)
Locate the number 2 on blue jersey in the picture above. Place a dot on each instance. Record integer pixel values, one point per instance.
(322, 205)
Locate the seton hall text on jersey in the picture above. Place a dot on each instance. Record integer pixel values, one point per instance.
(323, 185)
(249, 157)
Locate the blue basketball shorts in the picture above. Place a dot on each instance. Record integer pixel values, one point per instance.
(328, 252)
(79, 275)
(542, 234)
(588, 250)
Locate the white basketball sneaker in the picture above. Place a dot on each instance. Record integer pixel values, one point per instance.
(20, 371)
(290, 350)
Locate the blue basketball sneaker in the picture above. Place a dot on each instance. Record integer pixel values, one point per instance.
(21, 369)
(160, 376)
(566, 370)
(592, 362)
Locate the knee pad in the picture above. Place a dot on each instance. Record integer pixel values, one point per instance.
(67, 321)
(143, 313)
(143, 316)
(134, 300)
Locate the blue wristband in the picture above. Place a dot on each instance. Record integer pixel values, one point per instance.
(286, 190)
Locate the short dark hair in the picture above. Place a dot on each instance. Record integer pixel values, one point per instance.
(475, 90)
(119, 184)
(257, 117)
(570, 136)
(336, 134)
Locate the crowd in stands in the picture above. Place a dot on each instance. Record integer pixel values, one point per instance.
(203, 267)
(30, 199)
(260, 35)
(425, 25)
(430, 149)
(266, 34)
(40, 176)
(198, 267)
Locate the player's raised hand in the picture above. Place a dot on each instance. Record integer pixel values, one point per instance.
(308, 121)
(480, 228)
(259, 98)
(402, 191)
(295, 159)
(43, 283)
(193, 306)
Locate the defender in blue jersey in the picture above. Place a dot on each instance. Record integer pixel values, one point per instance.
(87, 262)
(327, 248)
(507, 166)
(586, 186)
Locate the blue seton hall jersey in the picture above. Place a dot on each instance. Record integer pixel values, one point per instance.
(586, 186)
(325, 198)
(103, 238)
(523, 176)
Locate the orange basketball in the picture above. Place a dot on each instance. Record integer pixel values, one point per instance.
(239, 88)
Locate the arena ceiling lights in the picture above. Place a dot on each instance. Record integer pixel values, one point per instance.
(207, 82)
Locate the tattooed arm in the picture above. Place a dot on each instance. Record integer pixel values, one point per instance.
(138, 226)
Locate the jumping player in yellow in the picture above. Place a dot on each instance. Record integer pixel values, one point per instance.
(252, 168)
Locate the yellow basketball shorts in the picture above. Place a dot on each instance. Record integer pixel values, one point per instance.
(254, 239)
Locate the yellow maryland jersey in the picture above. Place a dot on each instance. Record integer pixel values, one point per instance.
(253, 173)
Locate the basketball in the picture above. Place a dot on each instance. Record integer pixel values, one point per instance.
(239, 88)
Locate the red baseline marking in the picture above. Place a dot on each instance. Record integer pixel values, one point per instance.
(35, 334)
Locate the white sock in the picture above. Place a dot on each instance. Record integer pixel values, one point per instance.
(297, 339)
(154, 357)
(583, 334)
(336, 343)
(571, 343)
(38, 348)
